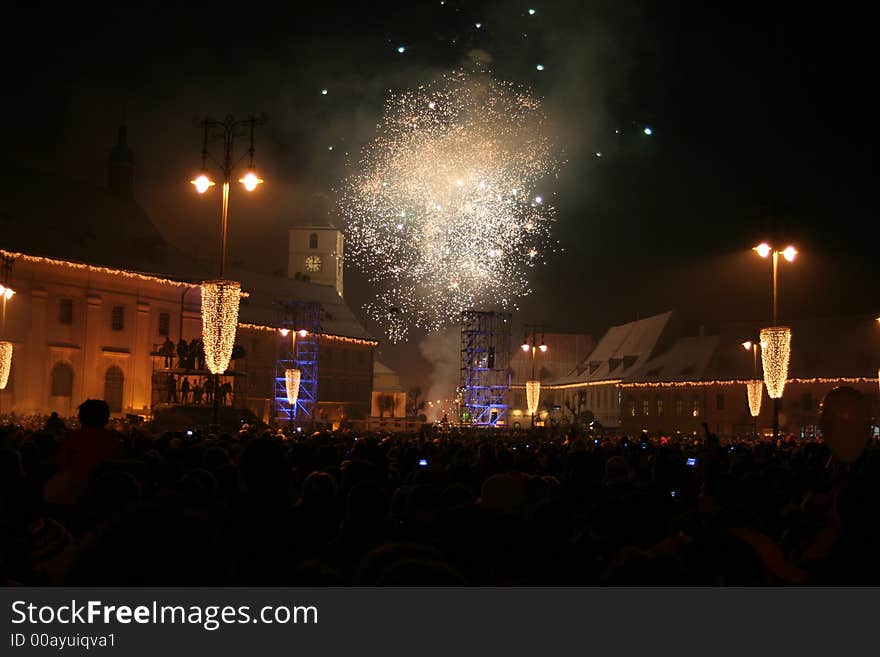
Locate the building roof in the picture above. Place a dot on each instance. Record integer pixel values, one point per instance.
(266, 291)
(688, 359)
(826, 348)
(622, 350)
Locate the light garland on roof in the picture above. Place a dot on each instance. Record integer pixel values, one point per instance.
(569, 386)
(321, 336)
(533, 394)
(94, 268)
(220, 300)
(775, 354)
(5, 363)
(291, 385)
(835, 380)
(755, 391)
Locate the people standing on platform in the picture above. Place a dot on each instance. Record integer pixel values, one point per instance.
(197, 393)
(209, 389)
(225, 391)
(184, 390)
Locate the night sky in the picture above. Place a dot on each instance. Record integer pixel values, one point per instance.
(763, 121)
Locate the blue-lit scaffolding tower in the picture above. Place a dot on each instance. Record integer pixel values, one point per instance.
(303, 321)
(485, 363)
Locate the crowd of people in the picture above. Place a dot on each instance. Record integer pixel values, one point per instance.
(88, 505)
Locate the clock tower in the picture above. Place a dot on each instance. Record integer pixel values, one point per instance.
(315, 253)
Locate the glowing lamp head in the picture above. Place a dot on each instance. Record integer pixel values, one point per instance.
(284, 332)
(763, 249)
(8, 292)
(202, 183)
(747, 345)
(524, 346)
(543, 348)
(789, 253)
(303, 333)
(250, 181)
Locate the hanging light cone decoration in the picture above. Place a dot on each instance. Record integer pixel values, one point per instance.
(220, 300)
(5, 363)
(775, 353)
(291, 385)
(755, 389)
(533, 393)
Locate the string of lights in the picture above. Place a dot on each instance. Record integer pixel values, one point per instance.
(291, 385)
(220, 300)
(329, 337)
(775, 353)
(755, 391)
(533, 394)
(5, 363)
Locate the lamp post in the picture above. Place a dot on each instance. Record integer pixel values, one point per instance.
(533, 385)
(220, 297)
(777, 352)
(754, 388)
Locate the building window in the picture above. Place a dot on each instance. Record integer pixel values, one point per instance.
(719, 401)
(679, 407)
(65, 311)
(164, 323)
(117, 319)
(62, 380)
(646, 407)
(695, 408)
(313, 241)
(659, 403)
(113, 383)
(632, 406)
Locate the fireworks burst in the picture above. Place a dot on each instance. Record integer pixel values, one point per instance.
(444, 213)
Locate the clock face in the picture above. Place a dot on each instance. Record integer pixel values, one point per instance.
(313, 263)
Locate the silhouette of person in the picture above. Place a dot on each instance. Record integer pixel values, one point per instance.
(184, 390)
(209, 389)
(197, 392)
(181, 353)
(168, 352)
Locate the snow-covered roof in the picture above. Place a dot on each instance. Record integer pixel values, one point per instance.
(688, 359)
(621, 351)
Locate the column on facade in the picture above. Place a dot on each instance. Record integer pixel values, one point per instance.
(92, 374)
(141, 364)
(35, 368)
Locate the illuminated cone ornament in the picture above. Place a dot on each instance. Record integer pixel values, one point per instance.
(291, 385)
(775, 353)
(5, 363)
(755, 389)
(533, 393)
(220, 300)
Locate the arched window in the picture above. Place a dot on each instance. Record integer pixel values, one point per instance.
(313, 241)
(62, 380)
(113, 382)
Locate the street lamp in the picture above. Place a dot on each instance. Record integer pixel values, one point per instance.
(533, 385)
(776, 352)
(220, 297)
(754, 388)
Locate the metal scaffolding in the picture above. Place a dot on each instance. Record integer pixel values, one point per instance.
(300, 352)
(485, 367)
